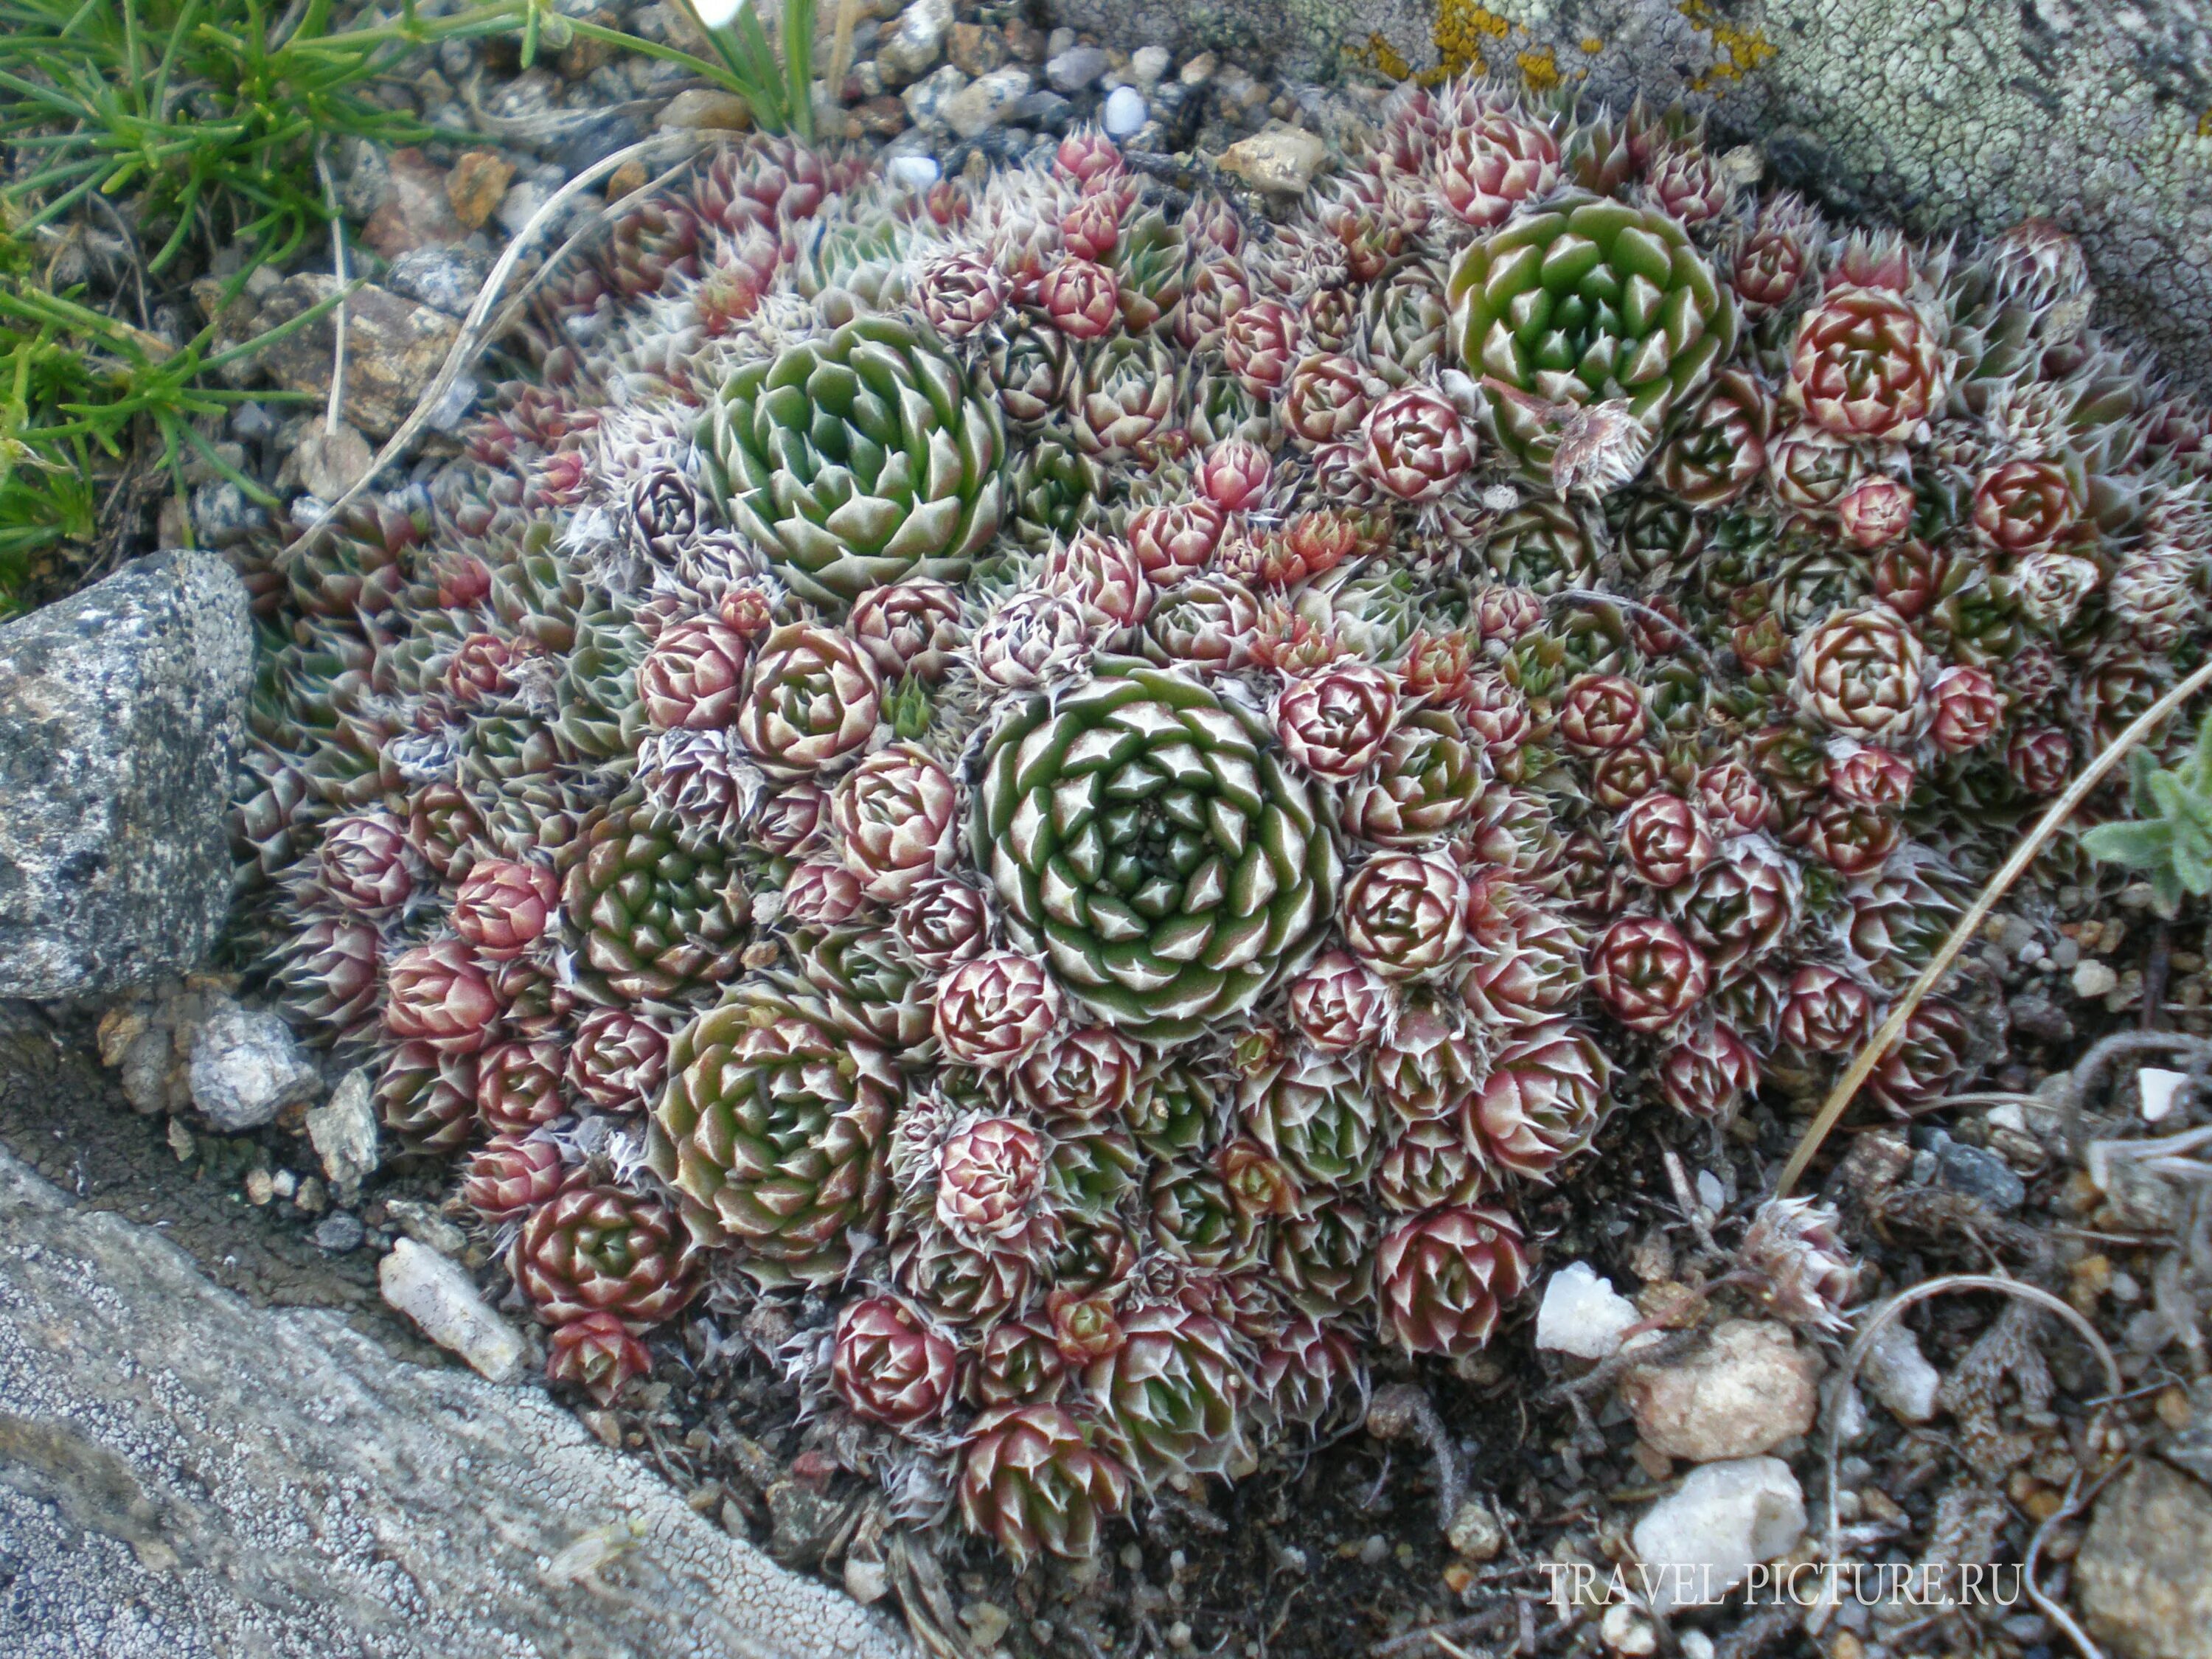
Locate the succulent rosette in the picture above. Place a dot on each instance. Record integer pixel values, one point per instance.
(774, 1128)
(860, 458)
(1031, 1479)
(1144, 837)
(896, 814)
(1404, 913)
(1647, 973)
(1443, 1277)
(888, 1364)
(1172, 1395)
(814, 701)
(1867, 363)
(1581, 302)
(595, 1249)
(1862, 673)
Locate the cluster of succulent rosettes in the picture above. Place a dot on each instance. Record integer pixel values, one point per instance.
(1106, 784)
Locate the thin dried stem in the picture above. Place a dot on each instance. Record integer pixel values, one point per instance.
(841, 51)
(474, 335)
(1402, 1412)
(1998, 886)
(332, 410)
(1882, 1315)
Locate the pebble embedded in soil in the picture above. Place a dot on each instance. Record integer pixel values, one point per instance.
(246, 1066)
(1075, 70)
(1750, 1388)
(1703, 1538)
(2095, 979)
(1280, 160)
(1977, 1173)
(1898, 1374)
(340, 1231)
(917, 39)
(1125, 113)
(1474, 1532)
(1583, 1315)
(983, 102)
(443, 1301)
(2143, 1577)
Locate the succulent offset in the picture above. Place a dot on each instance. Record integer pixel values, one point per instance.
(1101, 793)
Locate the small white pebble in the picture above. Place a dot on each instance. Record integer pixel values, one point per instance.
(1375, 1552)
(914, 173)
(2095, 979)
(1710, 1193)
(2158, 1091)
(1627, 1631)
(1125, 113)
(1695, 1645)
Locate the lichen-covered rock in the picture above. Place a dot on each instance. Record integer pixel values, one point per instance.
(2141, 1574)
(246, 1066)
(1748, 1390)
(120, 718)
(1945, 115)
(181, 1474)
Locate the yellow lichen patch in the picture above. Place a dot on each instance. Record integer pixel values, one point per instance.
(2204, 124)
(1591, 45)
(1386, 58)
(1539, 70)
(1737, 52)
(1461, 27)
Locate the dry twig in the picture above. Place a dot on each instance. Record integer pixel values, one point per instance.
(1998, 886)
(1880, 1316)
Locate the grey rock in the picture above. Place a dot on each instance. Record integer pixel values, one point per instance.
(1976, 1172)
(2142, 1578)
(2190, 1446)
(1041, 108)
(1076, 69)
(597, 140)
(983, 102)
(222, 514)
(343, 1132)
(121, 713)
(251, 421)
(444, 278)
(367, 175)
(1946, 117)
(339, 1231)
(394, 347)
(520, 205)
(246, 1066)
(926, 99)
(1747, 1390)
(330, 463)
(917, 39)
(2035, 1015)
(187, 1477)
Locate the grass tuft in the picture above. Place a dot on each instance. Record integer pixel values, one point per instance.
(194, 127)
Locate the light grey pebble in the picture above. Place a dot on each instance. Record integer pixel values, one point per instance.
(1125, 113)
(1074, 70)
(339, 1231)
